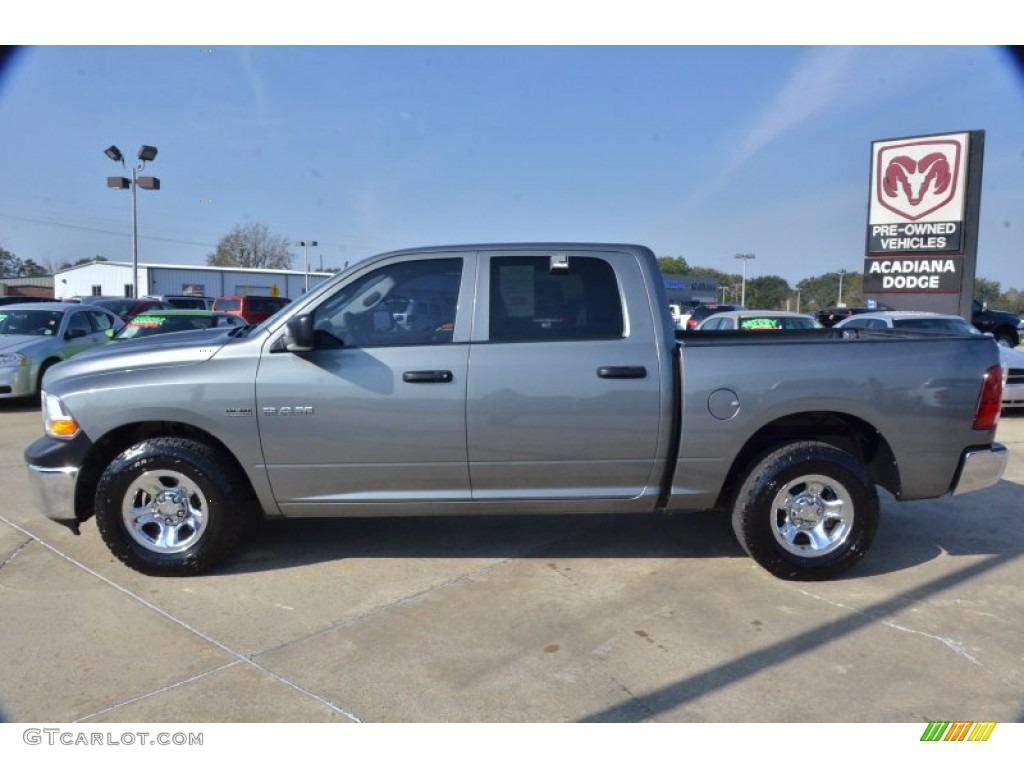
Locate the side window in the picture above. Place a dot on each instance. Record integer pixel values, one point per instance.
(79, 321)
(407, 302)
(100, 321)
(530, 302)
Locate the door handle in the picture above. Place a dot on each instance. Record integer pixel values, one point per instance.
(622, 372)
(427, 377)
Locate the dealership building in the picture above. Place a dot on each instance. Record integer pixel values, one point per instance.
(114, 278)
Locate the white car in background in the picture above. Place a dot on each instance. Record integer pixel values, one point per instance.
(1012, 360)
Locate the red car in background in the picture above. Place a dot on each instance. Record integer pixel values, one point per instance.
(253, 309)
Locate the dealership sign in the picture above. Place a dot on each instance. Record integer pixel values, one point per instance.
(921, 235)
(918, 188)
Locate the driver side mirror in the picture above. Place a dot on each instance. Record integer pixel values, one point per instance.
(298, 334)
(74, 333)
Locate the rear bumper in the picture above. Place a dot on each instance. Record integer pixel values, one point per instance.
(980, 468)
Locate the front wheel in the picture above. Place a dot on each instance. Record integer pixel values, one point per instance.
(172, 507)
(806, 511)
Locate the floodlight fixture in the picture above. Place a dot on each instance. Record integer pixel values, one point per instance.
(146, 153)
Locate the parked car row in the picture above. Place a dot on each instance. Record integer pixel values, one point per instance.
(36, 336)
(252, 309)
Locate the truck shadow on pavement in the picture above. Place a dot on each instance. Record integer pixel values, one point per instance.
(911, 533)
(759, 662)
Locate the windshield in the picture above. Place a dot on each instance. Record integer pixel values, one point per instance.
(30, 322)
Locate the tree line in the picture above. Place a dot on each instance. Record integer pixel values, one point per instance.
(819, 292)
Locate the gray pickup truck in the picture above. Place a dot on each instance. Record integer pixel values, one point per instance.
(538, 378)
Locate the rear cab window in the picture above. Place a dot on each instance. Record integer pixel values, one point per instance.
(532, 301)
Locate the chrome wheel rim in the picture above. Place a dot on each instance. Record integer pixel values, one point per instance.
(164, 511)
(812, 516)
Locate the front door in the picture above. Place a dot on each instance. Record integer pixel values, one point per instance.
(373, 419)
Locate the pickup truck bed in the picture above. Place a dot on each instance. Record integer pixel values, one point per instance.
(546, 378)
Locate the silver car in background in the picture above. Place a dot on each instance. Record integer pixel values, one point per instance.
(35, 336)
(758, 320)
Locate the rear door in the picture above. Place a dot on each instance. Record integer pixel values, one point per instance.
(564, 392)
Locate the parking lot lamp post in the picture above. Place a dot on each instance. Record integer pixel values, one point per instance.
(744, 257)
(306, 244)
(146, 154)
(839, 303)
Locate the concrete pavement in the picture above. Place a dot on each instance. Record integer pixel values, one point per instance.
(588, 618)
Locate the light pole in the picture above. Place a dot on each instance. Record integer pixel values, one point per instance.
(306, 244)
(146, 154)
(839, 303)
(744, 257)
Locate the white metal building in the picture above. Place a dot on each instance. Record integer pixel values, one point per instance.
(114, 278)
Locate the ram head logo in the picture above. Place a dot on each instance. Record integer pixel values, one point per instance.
(918, 178)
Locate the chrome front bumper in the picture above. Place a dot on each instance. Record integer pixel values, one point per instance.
(981, 468)
(53, 489)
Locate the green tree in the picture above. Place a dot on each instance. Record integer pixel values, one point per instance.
(822, 291)
(986, 290)
(10, 265)
(673, 265)
(768, 292)
(30, 269)
(87, 260)
(251, 246)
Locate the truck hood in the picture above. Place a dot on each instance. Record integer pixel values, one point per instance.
(189, 348)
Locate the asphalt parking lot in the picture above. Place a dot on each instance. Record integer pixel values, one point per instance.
(563, 619)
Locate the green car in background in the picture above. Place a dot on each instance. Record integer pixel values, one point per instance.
(161, 321)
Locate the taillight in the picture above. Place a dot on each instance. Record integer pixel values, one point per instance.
(990, 401)
(691, 323)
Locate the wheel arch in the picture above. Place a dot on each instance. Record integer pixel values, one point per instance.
(117, 440)
(841, 430)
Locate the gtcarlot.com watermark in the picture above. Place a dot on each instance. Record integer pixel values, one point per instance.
(59, 737)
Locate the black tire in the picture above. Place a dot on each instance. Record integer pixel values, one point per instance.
(1006, 337)
(37, 395)
(806, 511)
(172, 507)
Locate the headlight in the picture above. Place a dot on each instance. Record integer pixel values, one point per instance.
(13, 360)
(57, 419)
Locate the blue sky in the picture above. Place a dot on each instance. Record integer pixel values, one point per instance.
(696, 151)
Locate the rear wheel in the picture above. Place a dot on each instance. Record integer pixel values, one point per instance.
(172, 507)
(1006, 338)
(806, 511)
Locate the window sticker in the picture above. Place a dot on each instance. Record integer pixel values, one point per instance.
(759, 324)
(146, 321)
(517, 290)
